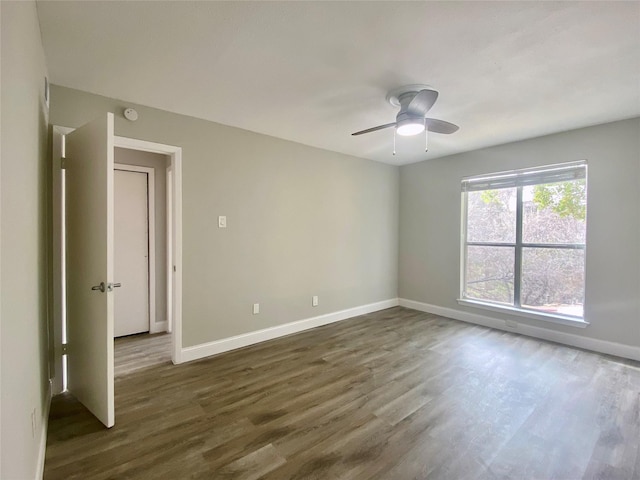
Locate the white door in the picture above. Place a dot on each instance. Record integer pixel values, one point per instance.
(131, 252)
(89, 272)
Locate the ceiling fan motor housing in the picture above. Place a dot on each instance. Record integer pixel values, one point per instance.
(404, 117)
(401, 96)
(408, 120)
(408, 123)
(405, 100)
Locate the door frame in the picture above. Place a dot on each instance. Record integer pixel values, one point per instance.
(169, 245)
(154, 326)
(174, 229)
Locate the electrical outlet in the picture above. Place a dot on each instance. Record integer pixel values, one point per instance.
(511, 323)
(256, 308)
(314, 301)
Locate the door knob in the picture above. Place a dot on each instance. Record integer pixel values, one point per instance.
(106, 288)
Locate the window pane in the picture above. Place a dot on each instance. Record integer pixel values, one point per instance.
(554, 212)
(489, 273)
(491, 216)
(553, 280)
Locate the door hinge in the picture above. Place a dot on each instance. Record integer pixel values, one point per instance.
(64, 349)
(63, 163)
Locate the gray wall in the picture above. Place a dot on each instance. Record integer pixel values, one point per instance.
(23, 242)
(430, 203)
(159, 164)
(301, 221)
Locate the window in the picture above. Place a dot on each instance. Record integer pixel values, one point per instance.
(524, 240)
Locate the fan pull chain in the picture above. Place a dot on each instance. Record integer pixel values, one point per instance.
(426, 139)
(394, 141)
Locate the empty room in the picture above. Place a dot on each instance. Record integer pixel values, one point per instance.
(319, 240)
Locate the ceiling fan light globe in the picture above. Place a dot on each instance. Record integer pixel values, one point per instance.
(409, 128)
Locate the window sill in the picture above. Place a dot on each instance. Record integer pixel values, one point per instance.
(546, 317)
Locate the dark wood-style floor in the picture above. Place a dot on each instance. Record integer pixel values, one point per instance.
(397, 394)
(139, 352)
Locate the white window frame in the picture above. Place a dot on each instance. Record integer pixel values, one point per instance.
(518, 179)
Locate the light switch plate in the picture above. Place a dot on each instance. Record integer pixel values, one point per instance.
(222, 221)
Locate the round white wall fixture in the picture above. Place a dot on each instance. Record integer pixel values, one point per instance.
(130, 114)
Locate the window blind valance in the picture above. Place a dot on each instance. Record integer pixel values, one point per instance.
(532, 176)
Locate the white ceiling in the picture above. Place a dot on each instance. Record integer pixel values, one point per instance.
(314, 72)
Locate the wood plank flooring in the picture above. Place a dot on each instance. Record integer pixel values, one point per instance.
(397, 394)
(138, 352)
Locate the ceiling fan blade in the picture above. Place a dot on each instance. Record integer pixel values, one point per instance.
(422, 102)
(440, 126)
(373, 129)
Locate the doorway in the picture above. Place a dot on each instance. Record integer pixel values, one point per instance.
(141, 260)
(171, 259)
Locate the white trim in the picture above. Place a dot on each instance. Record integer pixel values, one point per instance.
(63, 130)
(57, 205)
(176, 269)
(520, 312)
(144, 146)
(169, 248)
(151, 227)
(587, 343)
(245, 339)
(110, 419)
(159, 327)
(175, 154)
(42, 447)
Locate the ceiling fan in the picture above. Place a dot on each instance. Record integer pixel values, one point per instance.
(414, 102)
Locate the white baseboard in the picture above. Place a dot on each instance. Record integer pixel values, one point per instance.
(587, 343)
(157, 327)
(42, 448)
(245, 339)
